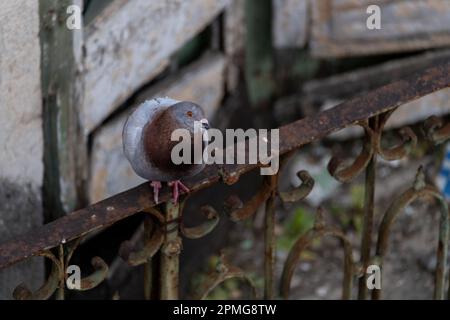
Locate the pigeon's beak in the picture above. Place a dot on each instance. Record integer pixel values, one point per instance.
(205, 127)
(205, 124)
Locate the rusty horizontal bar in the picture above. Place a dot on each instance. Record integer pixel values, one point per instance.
(292, 136)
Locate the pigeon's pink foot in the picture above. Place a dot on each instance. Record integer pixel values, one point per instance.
(156, 187)
(176, 186)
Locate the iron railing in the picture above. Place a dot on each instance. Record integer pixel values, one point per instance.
(164, 228)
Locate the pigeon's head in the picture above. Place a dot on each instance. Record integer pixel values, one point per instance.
(188, 114)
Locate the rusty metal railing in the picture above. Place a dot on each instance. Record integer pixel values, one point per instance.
(164, 228)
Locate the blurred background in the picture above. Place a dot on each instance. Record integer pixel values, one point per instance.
(65, 94)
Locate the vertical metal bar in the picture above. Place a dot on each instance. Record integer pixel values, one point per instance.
(347, 282)
(170, 253)
(442, 252)
(269, 240)
(148, 229)
(369, 199)
(62, 278)
(148, 280)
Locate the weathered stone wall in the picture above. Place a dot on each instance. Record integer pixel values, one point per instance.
(21, 141)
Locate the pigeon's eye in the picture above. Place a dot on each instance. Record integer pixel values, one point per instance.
(189, 114)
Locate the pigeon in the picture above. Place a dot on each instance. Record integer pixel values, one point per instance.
(147, 142)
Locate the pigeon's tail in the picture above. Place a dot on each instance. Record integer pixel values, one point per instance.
(132, 136)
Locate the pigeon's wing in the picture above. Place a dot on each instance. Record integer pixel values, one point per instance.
(132, 136)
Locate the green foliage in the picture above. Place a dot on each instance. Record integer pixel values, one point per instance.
(357, 196)
(342, 215)
(352, 215)
(300, 222)
(357, 193)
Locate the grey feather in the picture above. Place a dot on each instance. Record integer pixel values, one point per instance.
(132, 137)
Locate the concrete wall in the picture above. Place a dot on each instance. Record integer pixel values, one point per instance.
(21, 139)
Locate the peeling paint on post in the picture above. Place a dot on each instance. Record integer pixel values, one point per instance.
(65, 147)
(170, 253)
(258, 51)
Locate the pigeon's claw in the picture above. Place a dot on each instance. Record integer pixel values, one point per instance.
(156, 187)
(176, 186)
